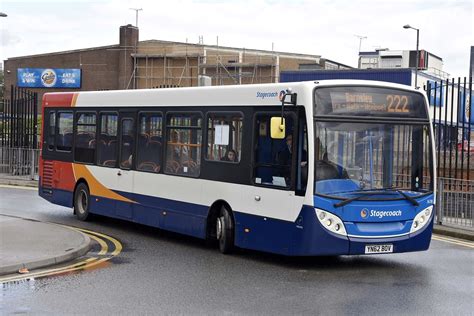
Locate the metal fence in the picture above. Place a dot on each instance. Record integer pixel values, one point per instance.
(19, 119)
(453, 121)
(19, 162)
(455, 203)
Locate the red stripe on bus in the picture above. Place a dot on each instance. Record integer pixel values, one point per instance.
(59, 99)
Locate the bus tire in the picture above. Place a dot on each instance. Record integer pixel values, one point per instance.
(225, 231)
(82, 202)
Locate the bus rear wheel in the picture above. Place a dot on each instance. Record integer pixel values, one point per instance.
(225, 231)
(82, 202)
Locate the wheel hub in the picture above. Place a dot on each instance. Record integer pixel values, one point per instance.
(219, 227)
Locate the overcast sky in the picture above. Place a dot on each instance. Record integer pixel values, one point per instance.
(320, 27)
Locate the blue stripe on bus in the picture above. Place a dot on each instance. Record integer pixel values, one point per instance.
(304, 237)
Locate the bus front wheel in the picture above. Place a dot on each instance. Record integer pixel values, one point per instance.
(225, 231)
(82, 202)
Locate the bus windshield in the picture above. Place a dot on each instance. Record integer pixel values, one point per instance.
(355, 157)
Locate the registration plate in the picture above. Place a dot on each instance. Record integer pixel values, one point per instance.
(379, 248)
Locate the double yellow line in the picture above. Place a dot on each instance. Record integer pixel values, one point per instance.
(103, 256)
(458, 242)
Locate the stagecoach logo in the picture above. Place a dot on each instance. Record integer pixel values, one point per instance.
(264, 95)
(364, 213)
(48, 78)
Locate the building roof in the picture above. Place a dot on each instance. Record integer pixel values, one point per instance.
(218, 47)
(66, 52)
(215, 47)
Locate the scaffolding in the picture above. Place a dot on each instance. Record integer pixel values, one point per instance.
(159, 65)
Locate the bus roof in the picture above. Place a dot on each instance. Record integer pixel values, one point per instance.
(238, 95)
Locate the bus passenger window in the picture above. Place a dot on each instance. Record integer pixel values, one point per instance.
(183, 145)
(127, 144)
(149, 142)
(85, 142)
(107, 141)
(273, 157)
(64, 136)
(51, 130)
(224, 137)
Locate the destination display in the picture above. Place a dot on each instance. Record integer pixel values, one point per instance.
(369, 101)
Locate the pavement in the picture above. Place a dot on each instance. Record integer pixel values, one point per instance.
(26, 243)
(30, 244)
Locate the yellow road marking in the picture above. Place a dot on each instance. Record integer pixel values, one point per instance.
(103, 245)
(117, 244)
(84, 264)
(453, 241)
(78, 265)
(8, 186)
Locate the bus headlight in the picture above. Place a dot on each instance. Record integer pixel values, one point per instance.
(331, 222)
(421, 219)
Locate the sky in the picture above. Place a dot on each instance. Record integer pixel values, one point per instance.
(320, 27)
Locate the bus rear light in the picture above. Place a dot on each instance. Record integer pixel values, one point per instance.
(421, 219)
(331, 222)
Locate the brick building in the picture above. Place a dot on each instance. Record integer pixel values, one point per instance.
(160, 64)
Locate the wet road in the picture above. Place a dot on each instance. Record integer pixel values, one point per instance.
(160, 272)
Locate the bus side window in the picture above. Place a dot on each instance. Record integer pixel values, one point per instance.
(107, 140)
(183, 145)
(51, 130)
(85, 137)
(224, 137)
(273, 157)
(149, 142)
(64, 135)
(127, 143)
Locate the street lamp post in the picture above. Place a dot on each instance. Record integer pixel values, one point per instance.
(408, 26)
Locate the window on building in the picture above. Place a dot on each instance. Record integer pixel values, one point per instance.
(150, 142)
(64, 136)
(183, 144)
(224, 137)
(107, 140)
(85, 142)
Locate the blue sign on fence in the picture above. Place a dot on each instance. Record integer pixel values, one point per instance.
(436, 94)
(48, 78)
(465, 113)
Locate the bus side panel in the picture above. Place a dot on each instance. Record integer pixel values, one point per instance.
(180, 217)
(304, 237)
(59, 187)
(262, 233)
(309, 238)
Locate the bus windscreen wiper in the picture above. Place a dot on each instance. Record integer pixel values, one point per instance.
(365, 193)
(407, 197)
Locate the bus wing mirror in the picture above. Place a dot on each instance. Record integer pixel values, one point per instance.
(277, 127)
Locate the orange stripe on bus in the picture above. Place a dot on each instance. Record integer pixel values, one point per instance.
(96, 188)
(74, 99)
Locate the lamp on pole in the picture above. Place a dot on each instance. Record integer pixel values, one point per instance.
(3, 15)
(408, 26)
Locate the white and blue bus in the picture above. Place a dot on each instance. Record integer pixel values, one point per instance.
(310, 168)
